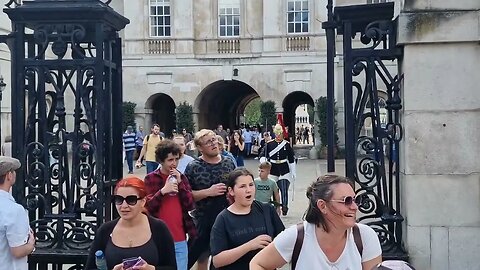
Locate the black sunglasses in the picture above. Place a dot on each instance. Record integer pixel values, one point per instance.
(348, 200)
(131, 200)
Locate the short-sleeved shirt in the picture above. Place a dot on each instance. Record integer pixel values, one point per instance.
(139, 138)
(312, 254)
(247, 136)
(222, 134)
(203, 175)
(129, 141)
(14, 230)
(233, 230)
(151, 143)
(183, 162)
(264, 189)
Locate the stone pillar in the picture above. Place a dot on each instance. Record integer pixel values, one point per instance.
(195, 121)
(440, 162)
(148, 120)
(314, 152)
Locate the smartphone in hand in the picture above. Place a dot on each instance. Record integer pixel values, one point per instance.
(131, 262)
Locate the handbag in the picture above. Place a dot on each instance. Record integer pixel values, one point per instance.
(255, 149)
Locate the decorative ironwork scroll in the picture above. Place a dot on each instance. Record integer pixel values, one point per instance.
(372, 131)
(66, 110)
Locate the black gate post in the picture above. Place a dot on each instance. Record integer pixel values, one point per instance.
(66, 121)
(329, 27)
(365, 73)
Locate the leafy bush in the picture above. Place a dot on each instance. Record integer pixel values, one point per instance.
(252, 112)
(268, 116)
(128, 115)
(184, 114)
(321, 104)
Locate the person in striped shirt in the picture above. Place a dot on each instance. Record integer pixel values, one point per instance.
(129, 147)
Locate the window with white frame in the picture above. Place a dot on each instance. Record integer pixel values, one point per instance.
(297, 16)
(160, 18)
(228, 18)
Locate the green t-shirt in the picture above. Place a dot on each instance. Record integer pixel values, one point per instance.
(264, 189)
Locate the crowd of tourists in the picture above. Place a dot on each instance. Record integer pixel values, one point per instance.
(209, 212)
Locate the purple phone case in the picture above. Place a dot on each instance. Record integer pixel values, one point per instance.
(130, 262)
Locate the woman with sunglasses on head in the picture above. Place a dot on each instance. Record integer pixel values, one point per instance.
(245, 227)
(133, 234)
(331, 237)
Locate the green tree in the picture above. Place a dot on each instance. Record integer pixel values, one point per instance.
(310, 113)
(321, 126)
(128, 115)
(184, 117)
(252, 112)
(267, 114)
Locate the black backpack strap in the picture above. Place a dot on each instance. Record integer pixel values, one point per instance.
(357, 237)
(298, 244)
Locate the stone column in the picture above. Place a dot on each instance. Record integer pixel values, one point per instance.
(439, 157)
(314, 152)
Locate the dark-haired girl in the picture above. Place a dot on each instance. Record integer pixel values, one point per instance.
(237, 147)
(245, 227)
(133, 234)
(328, 242)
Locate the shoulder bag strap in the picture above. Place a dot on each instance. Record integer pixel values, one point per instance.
(298, 244)
(358, 239)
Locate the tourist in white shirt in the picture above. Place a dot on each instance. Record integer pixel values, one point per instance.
(329, 233)
(184, 159)
(16, 238)
(248, 139)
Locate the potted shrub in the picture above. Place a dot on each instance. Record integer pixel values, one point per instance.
(321, 126)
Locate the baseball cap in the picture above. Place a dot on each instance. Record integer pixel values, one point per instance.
(8, 164)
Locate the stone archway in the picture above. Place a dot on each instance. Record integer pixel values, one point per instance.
(222, 102)
(290, 104)
(162, 107)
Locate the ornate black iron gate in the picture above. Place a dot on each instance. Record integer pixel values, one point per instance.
(376, 174)
(66, 121)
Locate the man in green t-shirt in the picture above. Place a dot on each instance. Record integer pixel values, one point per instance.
(266, 188)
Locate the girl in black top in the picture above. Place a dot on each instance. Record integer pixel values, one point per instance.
(134, 233)
(236, 147)
(245, 227)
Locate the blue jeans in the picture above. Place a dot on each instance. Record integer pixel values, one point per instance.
(129, 157)
(248, 148)
(151, 166)
(239, 160)
(181, 255)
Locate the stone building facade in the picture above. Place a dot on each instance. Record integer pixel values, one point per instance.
(219, 55)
